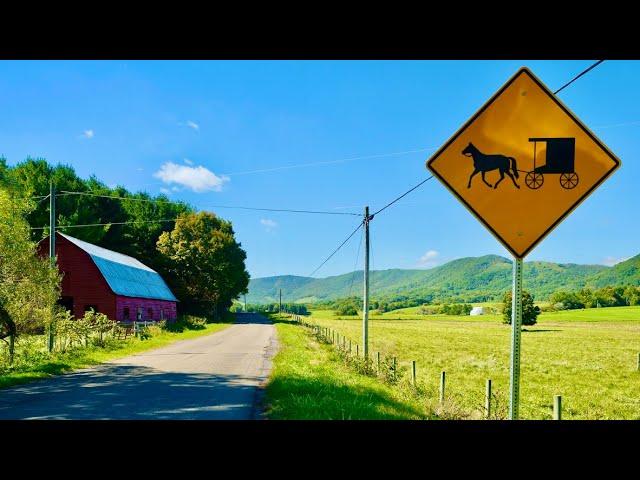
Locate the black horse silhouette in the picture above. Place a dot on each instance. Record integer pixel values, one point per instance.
(483, 163)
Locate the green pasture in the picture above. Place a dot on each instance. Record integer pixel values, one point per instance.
(588, 356)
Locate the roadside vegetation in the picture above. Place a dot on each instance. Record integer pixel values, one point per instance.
(312, 381)
(79, 346)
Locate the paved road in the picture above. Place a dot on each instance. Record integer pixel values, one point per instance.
(213, 377)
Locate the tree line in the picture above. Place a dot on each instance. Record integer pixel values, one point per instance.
(195, 252)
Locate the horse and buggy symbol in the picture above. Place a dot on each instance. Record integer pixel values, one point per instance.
(560, 160)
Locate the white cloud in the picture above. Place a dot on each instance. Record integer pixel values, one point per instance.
(188, 162)
(166, 191)
(611, 261)
(193, 125)
(88, 134)
(139, 169)
(199, 179)
(269, 224)
(429, 259)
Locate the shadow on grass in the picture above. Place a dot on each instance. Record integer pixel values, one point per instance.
(541, 330)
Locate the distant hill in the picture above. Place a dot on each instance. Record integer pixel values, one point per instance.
(465, 279)
(623, 273)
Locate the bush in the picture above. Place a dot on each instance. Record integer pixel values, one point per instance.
(566, 301)
(185, 322)
(346, 309)
(456, 309)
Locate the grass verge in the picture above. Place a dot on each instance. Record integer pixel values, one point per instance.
(33, 364)
(311, 381)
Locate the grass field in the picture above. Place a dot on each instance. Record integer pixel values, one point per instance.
(32, 362)
(587, 356)
(310, 381)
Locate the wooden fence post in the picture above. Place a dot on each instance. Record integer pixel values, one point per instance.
(557, 407)
(413, 373)
(442, 385)
(487, 400)
(395, 370)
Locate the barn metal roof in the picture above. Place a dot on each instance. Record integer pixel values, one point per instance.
(125, 275)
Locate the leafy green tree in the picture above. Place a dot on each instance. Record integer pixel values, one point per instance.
(564, 300)
(29, 287)
(530, 311)
(204, 262)
(346, 309)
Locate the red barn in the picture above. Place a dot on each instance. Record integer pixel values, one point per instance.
(117, 285)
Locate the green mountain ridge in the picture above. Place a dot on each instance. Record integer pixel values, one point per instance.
(470, 279)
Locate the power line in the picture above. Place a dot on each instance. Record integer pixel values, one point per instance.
(286, 210)
(109, 223)
(403, 195)
(314, 164)
(115, 197)
(336, 250)
(318, 212)
(578, 76)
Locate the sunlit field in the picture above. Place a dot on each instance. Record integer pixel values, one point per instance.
(587, 356)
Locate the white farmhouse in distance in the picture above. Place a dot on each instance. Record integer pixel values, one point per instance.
(476, 311)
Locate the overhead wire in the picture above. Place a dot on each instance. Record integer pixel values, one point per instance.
(317, 212)
(403, 195)
(578, 76)
(337, 249)
(107, 223)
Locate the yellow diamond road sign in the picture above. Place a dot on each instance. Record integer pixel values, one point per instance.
(522, 163)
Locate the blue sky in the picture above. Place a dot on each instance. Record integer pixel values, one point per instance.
(198, 129)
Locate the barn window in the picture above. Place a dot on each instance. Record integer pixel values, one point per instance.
(162, 314)
(139, 314)
(150, 312)
(91, 307)
(125, 313)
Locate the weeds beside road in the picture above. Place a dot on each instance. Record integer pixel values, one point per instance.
(32, 361)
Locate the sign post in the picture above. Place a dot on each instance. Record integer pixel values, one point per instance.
(516, 330)
(521, 164)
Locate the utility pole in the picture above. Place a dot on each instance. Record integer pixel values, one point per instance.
(365, 306)
(52, 249)
(280, 307)
(245, 302)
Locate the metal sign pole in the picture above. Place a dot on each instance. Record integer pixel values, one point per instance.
(516, 327)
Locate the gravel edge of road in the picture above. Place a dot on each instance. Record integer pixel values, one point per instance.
(258, 408)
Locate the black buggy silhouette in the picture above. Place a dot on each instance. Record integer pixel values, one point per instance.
(560, 160)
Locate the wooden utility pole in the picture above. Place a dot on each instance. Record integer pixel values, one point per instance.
(365, 306)
(52, 250)
(280, 307)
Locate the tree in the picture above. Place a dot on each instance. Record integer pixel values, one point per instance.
(566, 300)
(29, 286)
(203, 262)
(530, 311)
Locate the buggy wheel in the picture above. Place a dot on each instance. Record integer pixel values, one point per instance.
(534, 180)
(569, 180)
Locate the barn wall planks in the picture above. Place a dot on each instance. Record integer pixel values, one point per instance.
(82, 280)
